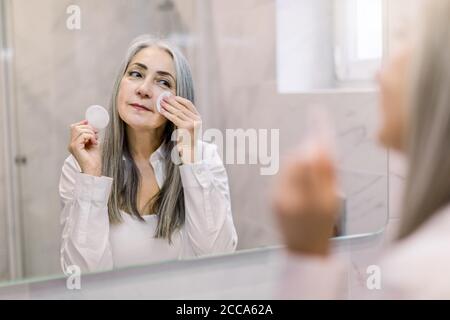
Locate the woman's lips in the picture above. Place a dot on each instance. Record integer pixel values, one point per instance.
(139, 107)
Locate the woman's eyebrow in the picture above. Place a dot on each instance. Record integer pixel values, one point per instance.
(140, 65)
(163, 73)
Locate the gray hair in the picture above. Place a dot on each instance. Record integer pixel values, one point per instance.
(168, 203)
(428, 145)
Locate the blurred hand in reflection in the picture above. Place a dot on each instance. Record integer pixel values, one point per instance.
(306, 202)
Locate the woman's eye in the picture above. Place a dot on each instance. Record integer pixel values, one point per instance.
(164, 83)
(134, 74)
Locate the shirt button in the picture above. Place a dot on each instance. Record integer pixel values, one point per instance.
(199, 170)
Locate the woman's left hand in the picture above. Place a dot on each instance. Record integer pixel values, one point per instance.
(306, 203)
(188, 121)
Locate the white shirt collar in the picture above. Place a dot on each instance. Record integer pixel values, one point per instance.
(157, 164)
(155, 156)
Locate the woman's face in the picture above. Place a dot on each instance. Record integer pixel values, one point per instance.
(393, 80)
(150, 72)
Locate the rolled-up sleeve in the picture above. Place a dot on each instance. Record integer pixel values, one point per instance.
(209, 227)
(84, 219)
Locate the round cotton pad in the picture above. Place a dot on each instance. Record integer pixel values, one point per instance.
(162, 96)
(97, 116)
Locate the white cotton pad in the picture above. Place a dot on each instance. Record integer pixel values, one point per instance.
(97, 116)
(162, 96)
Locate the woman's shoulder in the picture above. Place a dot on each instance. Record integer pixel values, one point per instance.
(423, 256)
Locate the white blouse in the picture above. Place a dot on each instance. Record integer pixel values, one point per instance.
(416, 267)
(92, 244)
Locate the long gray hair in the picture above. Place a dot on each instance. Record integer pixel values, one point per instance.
(168, 203)
(428, 147)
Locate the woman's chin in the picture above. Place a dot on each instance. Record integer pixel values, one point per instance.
(148, 123)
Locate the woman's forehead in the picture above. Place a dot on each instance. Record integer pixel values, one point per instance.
(155, 59)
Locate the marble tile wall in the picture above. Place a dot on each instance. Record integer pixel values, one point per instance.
(243, 94)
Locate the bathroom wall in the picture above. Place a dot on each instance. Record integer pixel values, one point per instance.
(243, 86)
(297, 69)
(232, 48)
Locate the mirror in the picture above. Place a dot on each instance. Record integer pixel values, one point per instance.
(338, 44)
(59, 57)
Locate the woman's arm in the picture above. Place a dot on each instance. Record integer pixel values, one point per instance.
(209, 226)
(84, 219)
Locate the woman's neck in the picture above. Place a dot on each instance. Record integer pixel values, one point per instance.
(144, 143)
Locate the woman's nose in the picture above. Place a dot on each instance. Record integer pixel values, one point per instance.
(145, 91)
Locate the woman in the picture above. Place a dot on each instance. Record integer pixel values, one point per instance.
(415, 103)
(125, 201)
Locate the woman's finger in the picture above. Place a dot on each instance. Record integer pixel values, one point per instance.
(78, 123)
(85, 137)
(174, 111)
(171, 117)
(87, 126)
(185, 111)
(78, 132)
(187, 104)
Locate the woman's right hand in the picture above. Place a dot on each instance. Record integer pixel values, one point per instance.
(84, 146)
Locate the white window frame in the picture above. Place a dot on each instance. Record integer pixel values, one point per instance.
(348, 67)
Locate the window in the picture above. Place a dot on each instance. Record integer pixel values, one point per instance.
(358, 39)
(328, 44)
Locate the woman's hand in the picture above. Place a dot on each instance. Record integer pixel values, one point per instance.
(188, 122)
(306, 203)
(85, 148)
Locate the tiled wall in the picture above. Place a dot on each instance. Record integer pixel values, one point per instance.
(242, 86)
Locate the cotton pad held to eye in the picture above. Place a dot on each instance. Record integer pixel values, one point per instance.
(162, 96)
(97, 116)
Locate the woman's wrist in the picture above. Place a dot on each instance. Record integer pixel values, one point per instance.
(96, 172)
